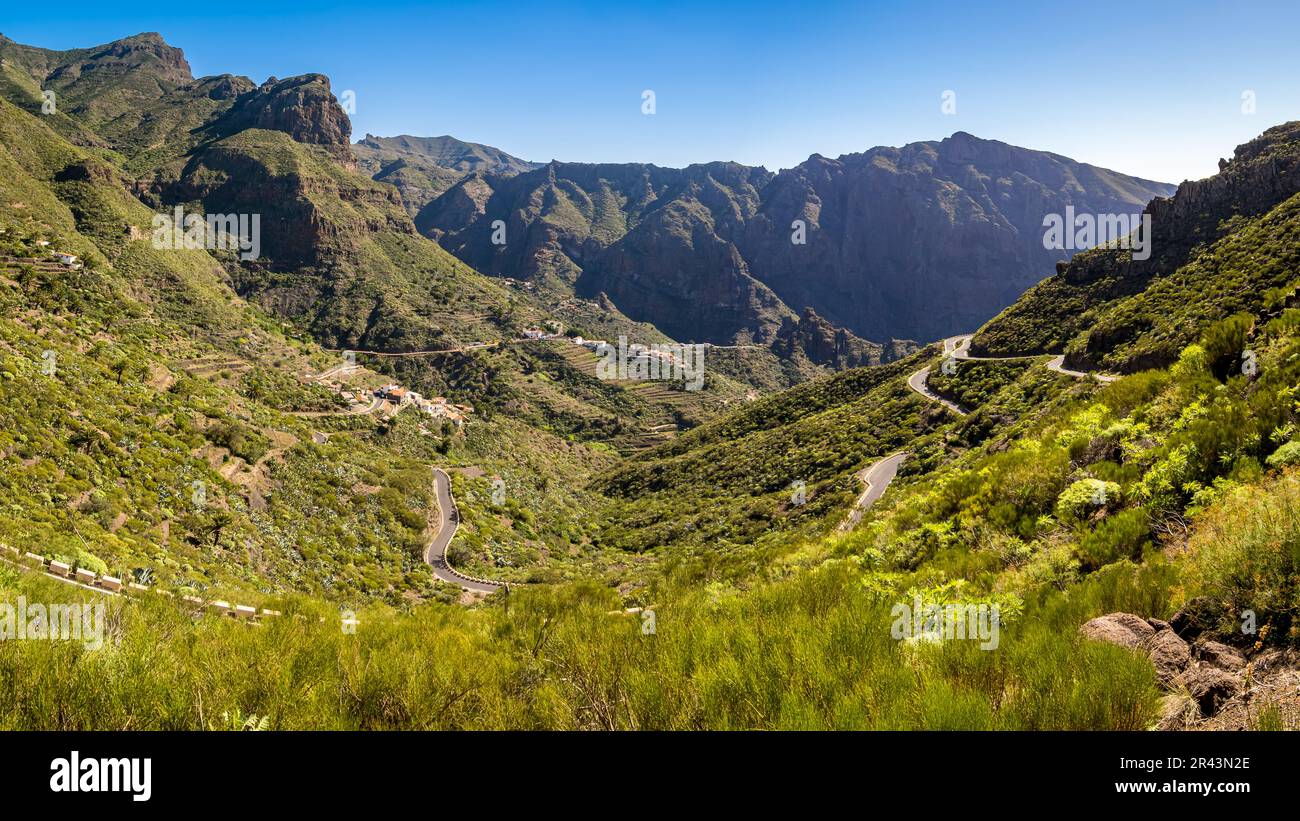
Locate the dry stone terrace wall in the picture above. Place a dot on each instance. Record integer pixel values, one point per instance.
(114, 586)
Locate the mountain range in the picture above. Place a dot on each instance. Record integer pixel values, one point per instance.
(903, 243)
(1108, 460)
(705, 253)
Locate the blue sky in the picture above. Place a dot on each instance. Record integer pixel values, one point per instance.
(1153, 88)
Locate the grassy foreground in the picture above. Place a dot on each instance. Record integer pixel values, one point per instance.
(812, 652)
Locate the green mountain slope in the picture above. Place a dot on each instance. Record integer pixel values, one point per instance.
(164, 419)
(1221, 245)
(140, 382)
(422, 168)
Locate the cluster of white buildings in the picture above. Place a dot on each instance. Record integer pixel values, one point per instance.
(538, 333)
(437, 407)
(661, 354)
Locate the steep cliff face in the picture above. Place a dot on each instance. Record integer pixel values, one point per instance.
(914, 242)
(812, 337)
(1219, 245)
(302, 107)
(657, 241)
(924, 240)
(462, 205)
(697, 285)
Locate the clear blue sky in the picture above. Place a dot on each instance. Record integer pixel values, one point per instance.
(1147, 88)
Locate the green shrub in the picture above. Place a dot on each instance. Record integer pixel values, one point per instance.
(1084, 496)
(1288, 454)
(1121, 536)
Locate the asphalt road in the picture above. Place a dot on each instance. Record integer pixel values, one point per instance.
(876, 477)
(435, 553)
(958, 347)
(917, 382)
(1057, 363)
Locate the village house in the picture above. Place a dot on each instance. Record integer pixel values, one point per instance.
(440, 408)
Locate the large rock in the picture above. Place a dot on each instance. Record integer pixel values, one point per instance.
(1210, 686)
(302, 107)
(1170, 655)
(1124, 629)
(1217, 654)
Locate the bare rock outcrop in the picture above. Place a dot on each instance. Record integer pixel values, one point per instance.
(1219, 655)
(1210, 687)
(1124, 629)
(1208, 684)
(1170, 655)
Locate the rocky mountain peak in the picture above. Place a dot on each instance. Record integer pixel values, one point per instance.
(302, 107)
(146, 50)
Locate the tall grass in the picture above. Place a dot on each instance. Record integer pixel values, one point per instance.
(1247, 556)
(813, 652)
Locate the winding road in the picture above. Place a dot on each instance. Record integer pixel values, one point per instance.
(435, 553)
(473, 346)
(876, 478)
(958, 347)
(919, 382)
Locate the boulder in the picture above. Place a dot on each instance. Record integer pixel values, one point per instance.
(1210, 686)
(1217, 654)
(1170, 655)
(1124, 629)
